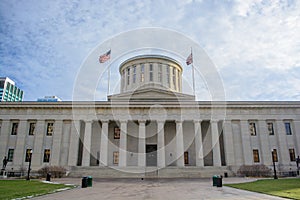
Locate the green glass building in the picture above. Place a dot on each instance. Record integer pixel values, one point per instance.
(8, 90)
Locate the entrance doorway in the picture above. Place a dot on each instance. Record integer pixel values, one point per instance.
(151, 155)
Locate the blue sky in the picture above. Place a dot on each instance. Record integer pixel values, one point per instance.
(254, 44)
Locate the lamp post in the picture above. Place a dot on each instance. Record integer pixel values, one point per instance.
(29, 166)
(274, 168)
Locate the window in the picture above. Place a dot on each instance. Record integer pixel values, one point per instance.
(255, 155)
(28, 155)
(128, 76)
(160, 73)
(116, 132)
(270, 128)
(142, 73)
(14, 128)
(49, 129)
(292, 155)
(288, 129)
(151, 72)
(134, 74)
(252, 128)
(274, 155)
(10, 155)
(1, 84)
(116, 157)
(186, 158)
(174, 77)
(31, 128)
(123, 78)
(168, 75)
(47, 155)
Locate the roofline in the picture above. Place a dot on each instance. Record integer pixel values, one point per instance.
(149, 56)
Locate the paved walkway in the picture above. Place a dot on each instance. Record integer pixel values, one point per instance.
(137, 189)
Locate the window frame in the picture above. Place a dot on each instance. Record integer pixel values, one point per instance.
(186, 157)
(51, 131)
(252, 129)
(14, 128)
(31, 130)
(288, 128)
(134, 74)
(151, 72)
(28, 155)
(256, 158)
(270, 130)
(10, 155)
(292, 155)
(117, 132)
(47, 155)
(115, 157)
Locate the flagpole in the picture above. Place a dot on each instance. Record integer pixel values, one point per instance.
(193, 72)
(108, 79)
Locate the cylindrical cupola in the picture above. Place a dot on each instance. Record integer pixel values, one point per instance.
(150, 71)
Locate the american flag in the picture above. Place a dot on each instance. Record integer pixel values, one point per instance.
(189, 59)
(105, 57)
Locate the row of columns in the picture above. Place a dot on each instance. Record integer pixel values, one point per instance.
(161, 162)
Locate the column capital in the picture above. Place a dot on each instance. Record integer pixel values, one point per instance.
(142, 121)
(214, 120)
(179, 121)
(123, 121)
(161, 121)
(104, 121)
(197, 121)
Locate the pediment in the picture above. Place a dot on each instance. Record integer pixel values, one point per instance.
(151, 94)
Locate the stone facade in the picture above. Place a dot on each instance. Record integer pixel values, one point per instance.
(152, 129)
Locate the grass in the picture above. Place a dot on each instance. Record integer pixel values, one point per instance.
(11, 189)
(288, 188)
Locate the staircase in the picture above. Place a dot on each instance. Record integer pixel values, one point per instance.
(148, 172)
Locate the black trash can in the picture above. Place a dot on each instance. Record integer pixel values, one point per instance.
(48, 177)
(89, 181)
(214, 178)
(84, 182)
(219, 181)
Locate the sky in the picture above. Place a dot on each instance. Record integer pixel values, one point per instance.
(254, 45)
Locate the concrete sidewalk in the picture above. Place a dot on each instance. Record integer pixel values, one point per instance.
(136, 189)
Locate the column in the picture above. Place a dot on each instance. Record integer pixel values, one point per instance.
(282, 151)
(142, 144)
(87, 144)
(297, 137)
(19, 152)
(198, 144)
(123, 145)
(38, 151)
(65, 144)
(247, 152)
(161, 144)
(5, 133)
(265, 150)
(179, 144)
(104, 144)
(56, 143)
(228, 143)
(74, 142)
(215, 143)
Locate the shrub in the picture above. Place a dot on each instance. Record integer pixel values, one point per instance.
(56, 171)
(254, 171)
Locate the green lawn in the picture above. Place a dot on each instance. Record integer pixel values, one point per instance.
(10, 189)
(289, 187)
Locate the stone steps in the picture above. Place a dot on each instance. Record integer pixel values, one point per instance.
(149, 172)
